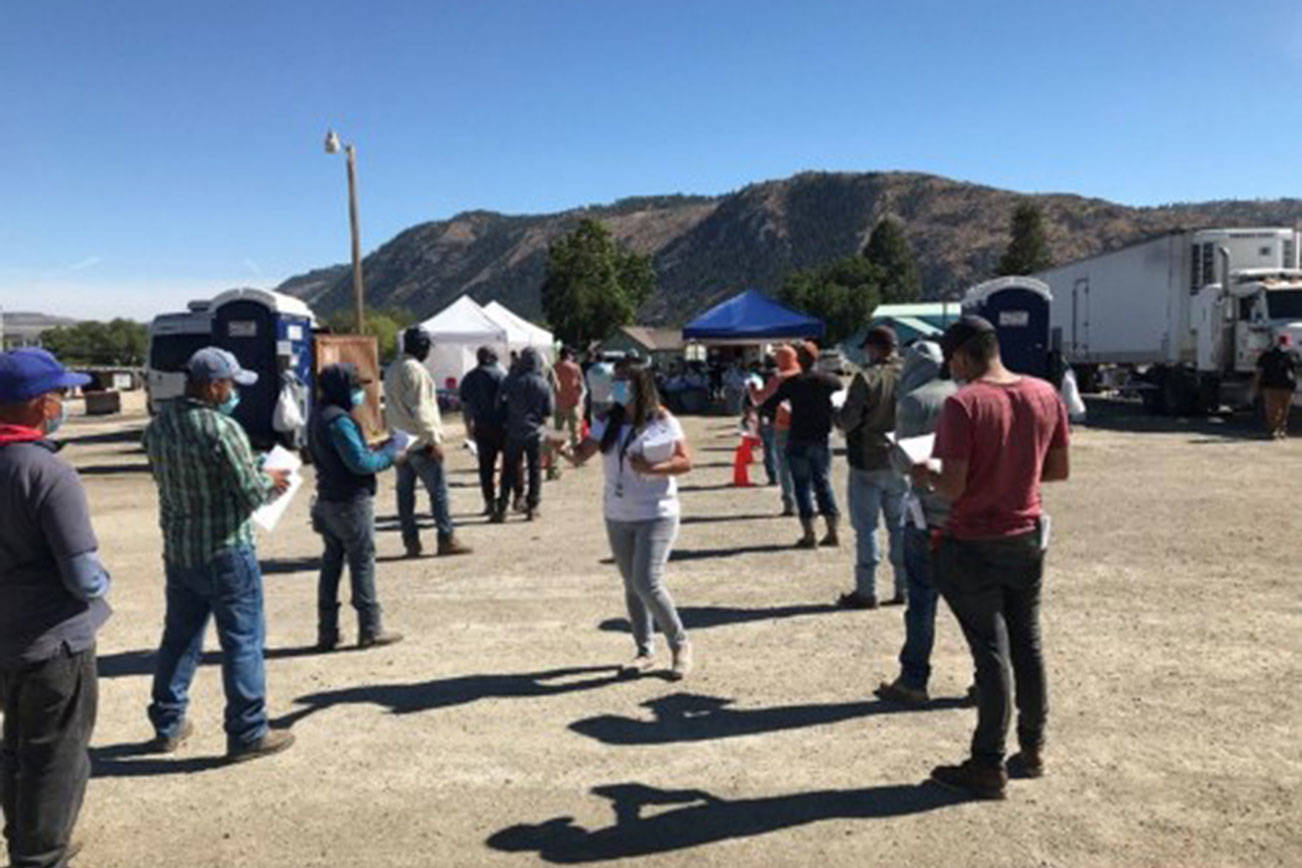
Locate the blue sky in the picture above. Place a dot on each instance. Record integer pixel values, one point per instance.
(154, 152)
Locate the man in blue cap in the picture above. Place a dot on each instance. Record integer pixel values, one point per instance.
(209, 485)
(52, 589)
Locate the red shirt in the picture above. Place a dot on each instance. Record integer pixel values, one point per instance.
(1003, 432)
(569, 381)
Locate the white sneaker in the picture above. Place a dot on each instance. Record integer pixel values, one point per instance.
(682, 664)
(639, 665)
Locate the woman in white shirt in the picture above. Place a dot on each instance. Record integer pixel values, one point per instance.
(643, 449)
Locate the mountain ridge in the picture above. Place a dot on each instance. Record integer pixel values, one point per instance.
(707, 247)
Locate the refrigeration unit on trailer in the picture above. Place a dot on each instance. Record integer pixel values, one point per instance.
(1186, 314)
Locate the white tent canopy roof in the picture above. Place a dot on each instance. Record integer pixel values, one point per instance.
(464, 321)
(522, 333)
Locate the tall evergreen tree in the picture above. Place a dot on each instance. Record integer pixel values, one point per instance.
(593, 286)
(843, 294)
(1027, 252)
(889, 250)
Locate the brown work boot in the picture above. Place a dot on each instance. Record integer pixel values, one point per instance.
(1027, 764)
(973, 779)
(808, 540)
(452, 546)
(831, 539)
(170, 743)
(274, 741)
(898, 691)
(376, 640)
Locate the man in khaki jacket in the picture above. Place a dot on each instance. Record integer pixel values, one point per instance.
(411, 404)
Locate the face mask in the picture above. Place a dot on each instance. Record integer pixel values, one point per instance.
(619, 392)
(52, 425)
(228, 406)
(359, 397)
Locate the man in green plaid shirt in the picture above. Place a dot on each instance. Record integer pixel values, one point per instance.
(209, 484)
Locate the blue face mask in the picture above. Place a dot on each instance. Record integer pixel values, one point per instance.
(228, 406)
(52, 425)
(359, 397)
(620, 393)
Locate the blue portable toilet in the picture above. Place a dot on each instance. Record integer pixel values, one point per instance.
(271, 334)
(1018, 308)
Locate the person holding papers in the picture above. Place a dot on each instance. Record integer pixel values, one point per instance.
(643, 449)
(344, 512)
(209, 485)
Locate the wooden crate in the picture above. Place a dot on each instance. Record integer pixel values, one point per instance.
(363, 351)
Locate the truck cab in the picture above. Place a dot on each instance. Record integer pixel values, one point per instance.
(1234, 328)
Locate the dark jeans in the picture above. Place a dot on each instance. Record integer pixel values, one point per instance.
(434, 475)
(993, 586)
(489, 444)
(810, 463)
(229, 587)
(49, 712)
(348, 529)
(769, 437)
(920, 616)
(531, 451)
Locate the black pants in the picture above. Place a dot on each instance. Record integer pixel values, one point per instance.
(49, 712)
(489, 444)
(993, 586)
(531, 451)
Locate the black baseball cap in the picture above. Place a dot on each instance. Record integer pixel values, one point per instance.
(963, 331)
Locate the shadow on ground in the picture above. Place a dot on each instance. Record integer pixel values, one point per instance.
(1117, 414)
(461, 690)
(705, 819)
(113, 469)
(126, 435)
(700, 617)
(728, 552)
(137, 760)
(689, 717)
(125, 664)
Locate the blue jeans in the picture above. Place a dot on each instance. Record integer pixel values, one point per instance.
(435, 477)
(784, 468)
(920, 616)
(348, 529)
(871, 492)
(229, 587)
(810, 464)
(769, 437)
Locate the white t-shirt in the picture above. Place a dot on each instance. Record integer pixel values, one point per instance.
(600, 377)
(629, 495)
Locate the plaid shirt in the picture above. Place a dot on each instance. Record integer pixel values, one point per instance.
(208, 481)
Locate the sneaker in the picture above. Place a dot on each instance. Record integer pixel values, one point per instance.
(274, 741)
(639, 665)
(972, 778)
(375, 640)
(452, 546)
(830, 541)
(854, 600)
(682, 664)
(170, 743)
(1027, 764)
(897, 691)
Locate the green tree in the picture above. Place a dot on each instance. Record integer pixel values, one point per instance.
(120, 342)
(1028, 251)
(384, 323)
(889, 250)
(592, 285)
(843, 294)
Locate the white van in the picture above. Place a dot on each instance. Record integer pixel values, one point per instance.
(173, 338)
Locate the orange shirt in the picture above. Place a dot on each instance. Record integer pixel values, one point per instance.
(569, 385)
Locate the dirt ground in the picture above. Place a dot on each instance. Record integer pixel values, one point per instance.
(497, 734)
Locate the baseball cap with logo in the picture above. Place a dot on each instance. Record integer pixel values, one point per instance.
(31, 371)
(214, 363)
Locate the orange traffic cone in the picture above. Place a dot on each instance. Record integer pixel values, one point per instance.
(741, 461)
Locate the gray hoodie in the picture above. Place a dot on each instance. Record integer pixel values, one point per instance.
(922, 395)
(527, 397)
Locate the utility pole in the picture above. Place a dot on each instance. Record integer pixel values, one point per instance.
(359, 292)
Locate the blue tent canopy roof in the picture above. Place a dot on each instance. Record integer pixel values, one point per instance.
(752, 315)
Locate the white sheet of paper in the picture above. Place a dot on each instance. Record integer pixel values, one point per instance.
(838, 398)
(280, 458)
(269, 515)
(401, 439)
(918, 449)
(657, 449)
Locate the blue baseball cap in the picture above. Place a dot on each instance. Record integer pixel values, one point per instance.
(31, 371)
(214, 363)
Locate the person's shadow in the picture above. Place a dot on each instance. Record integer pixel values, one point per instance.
(700, 617)
(461, 690)
(686, 717)
(705, 819)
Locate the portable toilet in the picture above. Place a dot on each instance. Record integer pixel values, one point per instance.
(1018, 308)
(270, 333)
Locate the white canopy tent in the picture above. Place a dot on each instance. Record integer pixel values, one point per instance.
(520, 332)
(458, 331)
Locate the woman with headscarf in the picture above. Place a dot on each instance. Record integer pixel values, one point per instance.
(643, 449)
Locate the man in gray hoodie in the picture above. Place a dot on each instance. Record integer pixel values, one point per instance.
(529, 404)
(922, 389)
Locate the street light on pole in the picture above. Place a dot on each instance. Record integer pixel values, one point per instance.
(332, 147)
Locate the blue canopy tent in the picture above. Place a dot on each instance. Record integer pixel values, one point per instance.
(751, 318)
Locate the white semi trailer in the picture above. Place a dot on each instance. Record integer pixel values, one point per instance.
(1185, 314)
